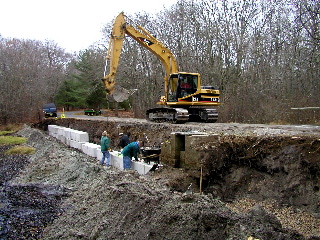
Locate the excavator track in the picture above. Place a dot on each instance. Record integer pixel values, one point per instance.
(181, 115)
(173, 115)
(209, 115)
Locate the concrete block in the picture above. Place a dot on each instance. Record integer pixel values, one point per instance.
(168, 155)
(67, 133)
(61, 138)
(92, 149)
(85, 147)
(52, 128)
(72, 143)
(76, 144)
(138, 166)
(82, 137)
(147, 168)
(116, 160)
(79, 145)
(61, 131)
(98, 154)
(73, 134)
(141, 167)
(79, 136)
(52, 134)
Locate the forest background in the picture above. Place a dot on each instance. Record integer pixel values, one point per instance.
(264, 57)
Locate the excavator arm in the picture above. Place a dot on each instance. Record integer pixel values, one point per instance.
(114, 51)
(120, 29)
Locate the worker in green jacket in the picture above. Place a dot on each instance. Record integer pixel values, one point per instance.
(105, 145)
(129, 151)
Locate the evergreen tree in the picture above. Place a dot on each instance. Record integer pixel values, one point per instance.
(84, 89)
(70, 95)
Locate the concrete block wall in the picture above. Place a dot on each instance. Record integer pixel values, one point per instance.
(181, 150)
(116, 159)
(98, 153)
(168, 155)
(191, 156)
(80, 140)
(90, 149)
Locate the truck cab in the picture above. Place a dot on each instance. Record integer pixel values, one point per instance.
(50, 110)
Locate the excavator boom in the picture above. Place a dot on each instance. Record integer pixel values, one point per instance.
(144, 38)
(114, 51)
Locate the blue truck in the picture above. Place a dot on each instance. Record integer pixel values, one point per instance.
(50, 110)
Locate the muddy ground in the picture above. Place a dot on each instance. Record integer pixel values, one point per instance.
(260, 182)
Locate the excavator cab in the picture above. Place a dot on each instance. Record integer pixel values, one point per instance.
(181, 85)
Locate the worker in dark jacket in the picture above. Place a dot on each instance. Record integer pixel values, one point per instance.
(124, 140)
(105, 145)
(129, 151)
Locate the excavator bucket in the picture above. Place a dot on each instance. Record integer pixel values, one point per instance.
(120, 94)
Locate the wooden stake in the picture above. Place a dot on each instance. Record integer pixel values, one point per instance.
(201, 179)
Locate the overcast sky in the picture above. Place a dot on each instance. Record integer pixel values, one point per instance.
(72, 24)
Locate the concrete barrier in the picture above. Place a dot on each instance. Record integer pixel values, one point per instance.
(80, 140)
(75, 144)
(99, 153)
(67, 133)
(116, 160)
(62, 138)
(79, 136)
(90, 149)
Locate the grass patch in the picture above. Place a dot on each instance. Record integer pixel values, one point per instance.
(5, 132)
(9, 129)
(21, 150)
(10, 140)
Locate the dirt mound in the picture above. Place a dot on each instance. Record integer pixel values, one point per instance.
(283, 168)
(92, 202)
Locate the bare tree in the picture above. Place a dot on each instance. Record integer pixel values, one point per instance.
(31, 74)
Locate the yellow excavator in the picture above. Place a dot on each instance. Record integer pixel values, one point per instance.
(185, 98)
